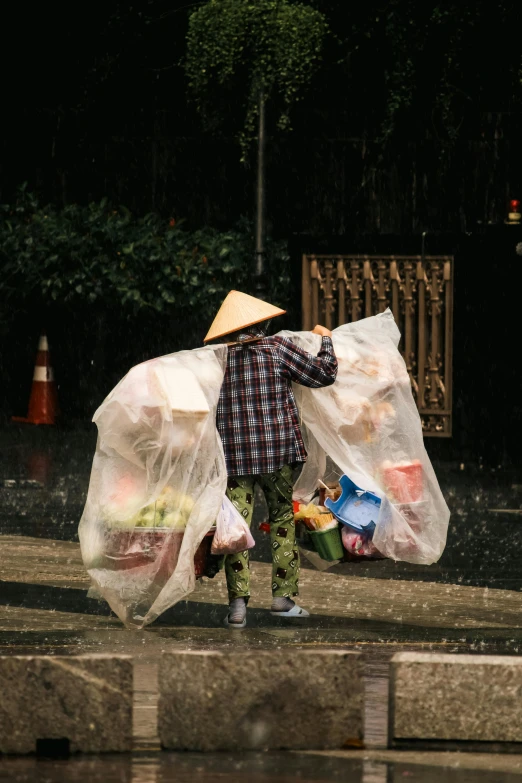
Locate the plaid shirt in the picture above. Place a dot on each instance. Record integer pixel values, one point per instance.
(257, 415)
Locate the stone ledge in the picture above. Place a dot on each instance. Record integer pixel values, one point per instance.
(286, 699)
(469, 698)
(85, 699)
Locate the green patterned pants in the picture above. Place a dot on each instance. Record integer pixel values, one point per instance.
(277, 488)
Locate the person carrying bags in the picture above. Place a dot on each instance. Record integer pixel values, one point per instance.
(258, 422)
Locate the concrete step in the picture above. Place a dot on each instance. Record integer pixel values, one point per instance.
(455, 698)
(250, 700)
(81, 703)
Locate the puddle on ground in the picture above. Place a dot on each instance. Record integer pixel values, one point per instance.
(286, 767)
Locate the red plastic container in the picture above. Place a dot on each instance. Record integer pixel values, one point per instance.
(144, 546)
(404, 482)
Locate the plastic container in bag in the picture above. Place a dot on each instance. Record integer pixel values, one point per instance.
(355, 507)
(153, 546)
(157, 430)
(157, 482)
(327, 543)
(403, 481)
(366, 423)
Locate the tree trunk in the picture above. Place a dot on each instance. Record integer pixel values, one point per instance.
(260, 270)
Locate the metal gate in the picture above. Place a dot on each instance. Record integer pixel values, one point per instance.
(337, 289)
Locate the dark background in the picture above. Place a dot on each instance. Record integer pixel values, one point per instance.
(95, 104)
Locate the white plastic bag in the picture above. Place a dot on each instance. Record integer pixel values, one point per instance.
(159, 478)
(368, 425)
(232, 532)
(157, 482)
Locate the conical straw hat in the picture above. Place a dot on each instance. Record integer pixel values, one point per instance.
(239, 311)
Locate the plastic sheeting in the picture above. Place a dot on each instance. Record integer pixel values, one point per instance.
(159, 477)
(368, 425)
(157, 483)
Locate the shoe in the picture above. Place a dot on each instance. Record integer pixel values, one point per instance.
(238, 607)
(295, 611)
(234, 626)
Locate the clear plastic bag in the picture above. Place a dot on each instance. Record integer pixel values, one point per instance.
(368, 426)
(232, 532)
(157, 482)
(159, 477)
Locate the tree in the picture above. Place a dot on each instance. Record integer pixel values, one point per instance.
(261, 53)
(426, 68)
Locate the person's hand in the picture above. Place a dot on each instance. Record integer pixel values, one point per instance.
(322, 330)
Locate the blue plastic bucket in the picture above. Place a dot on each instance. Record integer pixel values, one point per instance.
(355, 507)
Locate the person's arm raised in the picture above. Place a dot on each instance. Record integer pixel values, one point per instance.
(322, 331)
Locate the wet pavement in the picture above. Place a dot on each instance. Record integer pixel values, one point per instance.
(44, 608)
(48, 469)
(42, 574)
(258, 768)
(470, 601)
(347, 767)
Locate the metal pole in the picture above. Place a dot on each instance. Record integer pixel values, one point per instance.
(260, 271)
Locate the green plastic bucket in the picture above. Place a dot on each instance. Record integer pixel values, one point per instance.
(327, 543)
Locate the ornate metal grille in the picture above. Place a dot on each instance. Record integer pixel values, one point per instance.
(337, 289)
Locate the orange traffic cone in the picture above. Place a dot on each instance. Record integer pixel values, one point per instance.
(43, 404)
